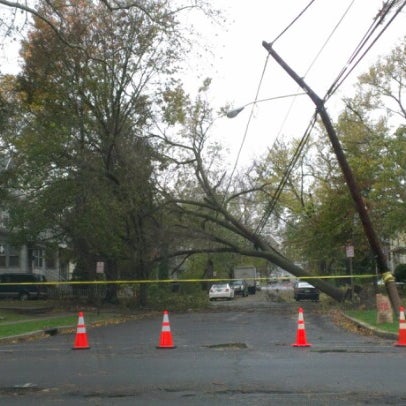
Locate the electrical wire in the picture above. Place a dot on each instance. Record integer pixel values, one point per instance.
(248, 124)
(306, 135)
(257, 93)
(309, 68)
(378, 20)
(286, 175)
(336, 84)
(333, 31)
(293, 21)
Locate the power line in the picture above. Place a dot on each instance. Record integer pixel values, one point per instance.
(378, 20)
(316, 58)
(258, 90)
(329, 37)
(314, 61)
(306, 135)
(293, 21)
(248, 124)
(285, 177)
(312, 64)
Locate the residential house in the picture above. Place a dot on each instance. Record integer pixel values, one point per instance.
(397, 254)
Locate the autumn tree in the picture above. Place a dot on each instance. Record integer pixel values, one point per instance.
(83, 152)
(371, 129)
(213, 213)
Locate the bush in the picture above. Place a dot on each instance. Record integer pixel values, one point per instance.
(400, 273)
(171, 296)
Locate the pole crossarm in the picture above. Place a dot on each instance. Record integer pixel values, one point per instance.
(349, 178)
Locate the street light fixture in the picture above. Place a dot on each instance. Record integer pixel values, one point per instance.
(235, 112)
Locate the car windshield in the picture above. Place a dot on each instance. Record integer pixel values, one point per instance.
(220, 286)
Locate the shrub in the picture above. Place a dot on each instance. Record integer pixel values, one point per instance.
(400, 273)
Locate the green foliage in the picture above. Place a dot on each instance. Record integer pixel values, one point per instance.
(175, 100)
(12, 324)
(84, 160)
(400, 273)
(370, 317)
(323, 218)
(176, 296)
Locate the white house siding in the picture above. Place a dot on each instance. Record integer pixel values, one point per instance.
(398, 250)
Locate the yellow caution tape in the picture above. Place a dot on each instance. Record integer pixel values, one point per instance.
(388, 277)
(135, 281)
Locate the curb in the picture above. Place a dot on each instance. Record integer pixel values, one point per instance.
(372, 329)
(37, 334)
(52, 331)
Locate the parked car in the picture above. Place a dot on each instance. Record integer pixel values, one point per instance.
(305, 291)
(221, 291)
(240, 287)
(18, 286)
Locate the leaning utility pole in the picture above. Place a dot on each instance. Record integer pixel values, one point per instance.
(387, 276)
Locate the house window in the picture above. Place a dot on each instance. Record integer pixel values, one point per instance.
(38, 258)
(4, 219)
(9, 256)
(50, 258)
(2, 255)
(13, 257)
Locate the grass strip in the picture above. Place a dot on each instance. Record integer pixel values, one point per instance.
(18, 327)
(370, 317)
(23, 327)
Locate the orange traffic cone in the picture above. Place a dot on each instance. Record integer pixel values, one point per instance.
(81, 342)
(402, 328)
(165, 339)
(301, 332)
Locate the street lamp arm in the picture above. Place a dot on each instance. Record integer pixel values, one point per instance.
(234, 112)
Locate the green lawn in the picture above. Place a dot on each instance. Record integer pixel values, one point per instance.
(22, 327)
(15, 322)
(370, 316)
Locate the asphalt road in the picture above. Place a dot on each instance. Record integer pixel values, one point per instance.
(237, 353)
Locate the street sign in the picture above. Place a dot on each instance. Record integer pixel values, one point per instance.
(100, 267)
(349, 249)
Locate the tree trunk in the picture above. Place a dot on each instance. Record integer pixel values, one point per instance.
(111, 289)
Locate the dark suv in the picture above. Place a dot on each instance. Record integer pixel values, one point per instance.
(240, 287)
(18, 286)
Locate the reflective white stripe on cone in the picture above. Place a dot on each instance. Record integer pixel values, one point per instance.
(81, 341)
(165, 338)
(301, 340)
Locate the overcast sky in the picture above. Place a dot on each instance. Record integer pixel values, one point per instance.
(238, 61)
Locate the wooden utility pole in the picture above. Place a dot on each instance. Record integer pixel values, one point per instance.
(373, 240)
